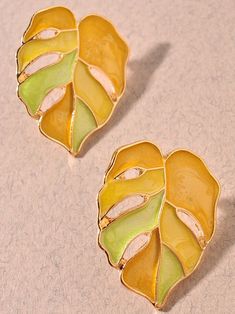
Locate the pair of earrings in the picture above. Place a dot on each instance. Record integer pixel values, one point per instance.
(73, 94)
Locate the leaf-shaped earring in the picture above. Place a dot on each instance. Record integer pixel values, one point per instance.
(177, 214)
(86, 73)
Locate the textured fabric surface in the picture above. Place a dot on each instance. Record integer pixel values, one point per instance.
(180, 94)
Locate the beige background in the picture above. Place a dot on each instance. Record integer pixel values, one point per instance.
(180, 93)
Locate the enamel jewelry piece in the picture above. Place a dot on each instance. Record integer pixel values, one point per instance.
(71, 75)
(159, 241)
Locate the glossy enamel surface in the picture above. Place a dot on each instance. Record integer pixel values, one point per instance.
(56, 121)
(147, 156)
(100, 45)
(58, 18)
(91, 46)
(174, 250)
(116, 237)
(169, 273)
(83, 124)
(117, 190)
(92, 93)
(190, 186)
(64, 42)
(35, 88)
(179, 238)
(140, 271)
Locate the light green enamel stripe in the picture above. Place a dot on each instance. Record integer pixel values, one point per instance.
(34, 89)
(64, 42)
(116, 236)
(83, 123)
(169, 273)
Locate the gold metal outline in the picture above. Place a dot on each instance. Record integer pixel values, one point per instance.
(165, 157)
(38, 116)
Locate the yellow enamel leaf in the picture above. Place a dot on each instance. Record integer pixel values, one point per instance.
(178, 212)
(89, 66)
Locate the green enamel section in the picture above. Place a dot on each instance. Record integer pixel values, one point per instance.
(83, 123)
(169, 273)
(116, 236)
(34, 89)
